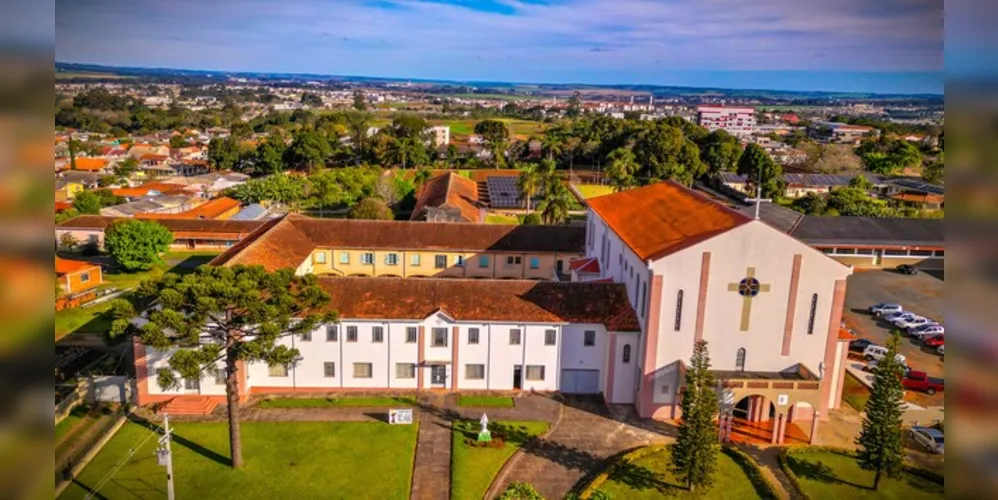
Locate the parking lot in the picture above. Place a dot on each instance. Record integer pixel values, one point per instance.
(921, 294)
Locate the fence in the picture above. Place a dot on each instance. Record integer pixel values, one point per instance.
(95, 437)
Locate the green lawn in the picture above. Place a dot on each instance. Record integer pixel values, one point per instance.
(593, 190)
(855, 393)
(72, 420)
(386, 401)
(501, 219)
(174, 262)
(648, 477)
(824, 474)
(83, 319)
(473, 468)
(297, 459)
(485, 401)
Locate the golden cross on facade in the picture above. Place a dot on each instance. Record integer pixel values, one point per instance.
(748, 288)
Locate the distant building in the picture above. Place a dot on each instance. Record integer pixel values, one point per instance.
(440, 135)
(449, 198)
(841, 132)
(739, 121)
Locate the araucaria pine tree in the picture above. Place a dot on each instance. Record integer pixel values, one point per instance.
(694, 455)
(881, 440)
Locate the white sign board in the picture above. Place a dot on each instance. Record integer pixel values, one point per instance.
(782, 399)
(400, 416)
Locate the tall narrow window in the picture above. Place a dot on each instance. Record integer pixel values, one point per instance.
(331, 331)
(377, 334)
(643, 298)
(410, 334)
(679, 310)
(472, 335)
(740, 359)
(814, 309)
(626, 357)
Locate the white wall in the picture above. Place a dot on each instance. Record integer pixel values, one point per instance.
(772, 254)
(621, 264)
(625, 374)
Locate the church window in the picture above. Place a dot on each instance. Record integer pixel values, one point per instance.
(644, 298)
(740, 359)
(627, 354)
(810, 318)
(679, 310)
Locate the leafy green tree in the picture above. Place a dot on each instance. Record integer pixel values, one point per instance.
(371, 209)
(358, 123)
(532, 219)
(495, 135)
(73, 146)
(90, 201)
(310, 99)
(552, 144)
(555, 204)
(67, 214)
(359, 102)
(810, 204)
(665, 153)
(574, 105)
(308, 150)
(855, 201)
(223, 154)
(452, 155)
(694, 454)
(408, 126)
(881, 442)
(135, 244)
(934, 172)
(244, 310)
(422, 175)
(520, 491)
(529, 182)
(408, 151)
(269, 157)
(621, 168)
(720, 151)
(861, 182)
(68, 242)
(757, 166)
(178, 141)
(126, 167)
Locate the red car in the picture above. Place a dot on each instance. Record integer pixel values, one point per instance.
(921, 381)
(936, 341)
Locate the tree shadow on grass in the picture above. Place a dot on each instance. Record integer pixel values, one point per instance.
(806, 469)
(186, 443)
(641, 478)
(94, 493)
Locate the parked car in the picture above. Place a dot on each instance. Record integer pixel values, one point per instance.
(904, 315)
(884, 308)
(931, 439)
(930, 331)
(876, 352)
(921, 381)
(917, 322)
(904, 323)
(859, 345)
(872, 366)
(906, 269)
(935, 341)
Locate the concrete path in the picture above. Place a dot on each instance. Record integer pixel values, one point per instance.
(577, 446)
(431, 471)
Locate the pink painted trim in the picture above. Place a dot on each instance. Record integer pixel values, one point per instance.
(841, 371)
(454, 358)
(788, 325)
(611, 368)
(834, 323)
(646, 405)
(702, 297)
(421, 356)
(141, 373)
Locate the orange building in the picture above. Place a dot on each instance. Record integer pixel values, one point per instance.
(77, 276)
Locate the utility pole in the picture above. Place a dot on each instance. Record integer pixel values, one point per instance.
(165, 456)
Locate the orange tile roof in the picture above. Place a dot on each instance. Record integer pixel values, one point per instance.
(143, 190)
(665, 217)
(919, 197)
(66, 266)
(483, 300)
(90, 164)
(845, 334)
(62, 205)
(181, 228)
(449, 190)
(289, 240)
(211, 209)
(585, 265)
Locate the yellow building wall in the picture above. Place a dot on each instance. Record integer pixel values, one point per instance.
(497, 266)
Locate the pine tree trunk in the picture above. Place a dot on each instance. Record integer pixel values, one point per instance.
(232, 400)
(876, 480)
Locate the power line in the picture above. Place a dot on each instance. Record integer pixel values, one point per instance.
(121, 463)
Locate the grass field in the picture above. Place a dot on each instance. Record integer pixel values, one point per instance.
(824, 474)
(298, 459)
(83, 320)
(64, 75)
(520, 129)
(648, 477)
(473, 468)
(336, 402)
(506, 97)
(854, 392)
(501, 219)
(593, 190)
(485, 401)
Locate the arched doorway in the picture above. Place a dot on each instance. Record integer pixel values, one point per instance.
(754, 408)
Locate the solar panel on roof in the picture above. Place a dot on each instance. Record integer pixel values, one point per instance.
(503, 192)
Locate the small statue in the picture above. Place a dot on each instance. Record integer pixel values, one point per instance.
(484, 436)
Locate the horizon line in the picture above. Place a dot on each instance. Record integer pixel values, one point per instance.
(933, 94)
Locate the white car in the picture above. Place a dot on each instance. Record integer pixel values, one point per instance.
(877, 353)
(906, 322)
(883, 309)
(930, 439)
(917, 322)
(927, 331)
(892, 317)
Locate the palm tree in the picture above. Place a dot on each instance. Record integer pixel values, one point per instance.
(554, 206)
(621, 169)
(553, 145)
(530, 181)
(402, 150)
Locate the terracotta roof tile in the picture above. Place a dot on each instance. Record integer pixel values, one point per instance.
(276, 244)
(90, 164)
(211, 209)
(66, 266)
(482, 300)
(449, 190)
(919, 197)
(199, 228)
(585, 265)
(663, 218)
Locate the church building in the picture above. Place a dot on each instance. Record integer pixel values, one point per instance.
(656, 269)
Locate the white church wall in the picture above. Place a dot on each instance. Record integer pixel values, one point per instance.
(620, 264)
(771, 253)
(473, 354)
(625, 373)
(575, 355)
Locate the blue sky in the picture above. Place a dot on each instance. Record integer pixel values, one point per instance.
(850, 45)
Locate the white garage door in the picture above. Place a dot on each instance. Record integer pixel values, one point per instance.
(580, 381)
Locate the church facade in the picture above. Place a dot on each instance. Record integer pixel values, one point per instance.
(661, 267)
(768, 305)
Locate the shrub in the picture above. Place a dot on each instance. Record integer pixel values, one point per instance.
(520, 491)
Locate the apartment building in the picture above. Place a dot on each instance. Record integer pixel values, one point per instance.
(738, 121)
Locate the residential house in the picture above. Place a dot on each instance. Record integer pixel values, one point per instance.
(449, 197)
(188, 234)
